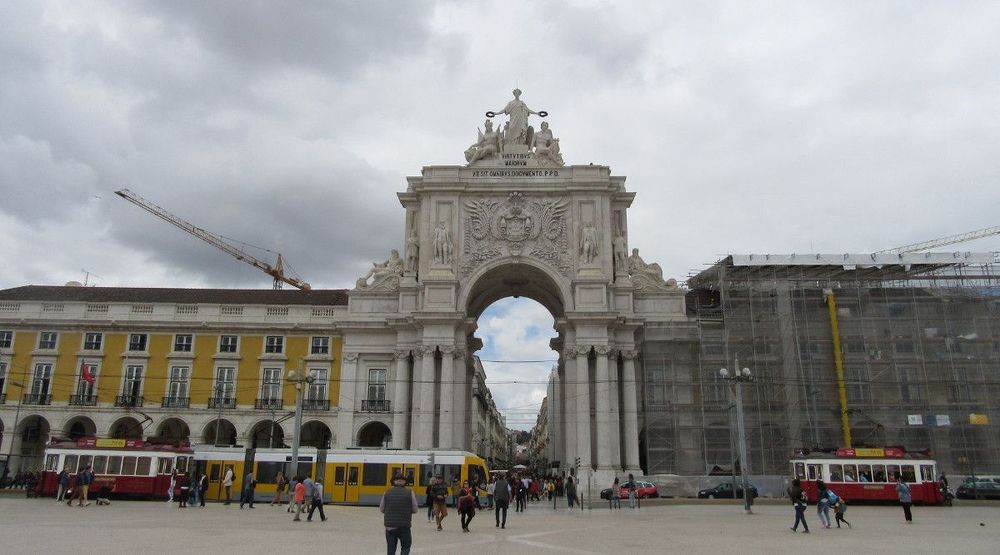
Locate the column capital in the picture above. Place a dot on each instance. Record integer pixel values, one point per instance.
(350, 356)
(400, 354)
(569, 351)
(629, 354)
(582, 350)
(447, 349)
(460, 353)
(428, 350)
(602, 350)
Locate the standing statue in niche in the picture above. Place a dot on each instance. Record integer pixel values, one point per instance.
(588, 243)
(546, 147)
(487, 145)
(516, 131)
(620, 248)
(412, 251)
(442, 244)
(383, 273)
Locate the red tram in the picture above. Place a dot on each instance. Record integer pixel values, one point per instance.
(869, 474)
(129, 467)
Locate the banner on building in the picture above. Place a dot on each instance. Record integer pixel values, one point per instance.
(943, 420)
(979, 419)
(914, 419)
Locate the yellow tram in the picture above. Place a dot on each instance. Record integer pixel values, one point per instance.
(350, 476)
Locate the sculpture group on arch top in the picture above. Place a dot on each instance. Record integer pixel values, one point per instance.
(518, 224)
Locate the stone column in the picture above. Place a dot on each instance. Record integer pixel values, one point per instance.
(462, 418)
(567, 407)
(614, 439)
(630, 412)
(401, 400)
(602, 406)
(348, 401)
(582, 380)
(446, 430)
(426, 413)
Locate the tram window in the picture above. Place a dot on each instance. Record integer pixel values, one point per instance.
(927, 472)
(374, 475)
(800, 471)
(352, 476)
(410, 476)
(70, 465)
(815, 472)
(52, 462)
(892, 472)
(182, 464)
(267, 472)
(909, 473)
(143, 465)
(864, 473)
(100, 464)
(213, 472)
(128, 466)
(166, 464)
(850, 473)
(477, 474)
(878, 473)
(86, 460)
(836, 473)
(426, 473)
(338, 476)
(451, 473)
(114, 465)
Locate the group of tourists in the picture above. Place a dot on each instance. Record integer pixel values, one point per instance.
(826, 499)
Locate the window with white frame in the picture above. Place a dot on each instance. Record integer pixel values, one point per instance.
(47, 340)
(83, 387)
(183, 343)
(320, 346)
(228, 343)
(137, 342)
(41, 379)
(93, 341)
(270, 384)
(177, 388)
(6, 339)
(133, 381)
(376, 384)
(317, 390)
(225, 382)
(274, 344)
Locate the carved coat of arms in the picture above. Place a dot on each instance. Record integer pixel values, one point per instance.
(515, 226)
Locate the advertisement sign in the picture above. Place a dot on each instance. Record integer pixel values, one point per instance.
(914, 419)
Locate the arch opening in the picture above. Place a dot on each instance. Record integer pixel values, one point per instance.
(126, 428)
(173, 430)
(30, 437)
(267, 433)
(515, 279)
(316, 434)
(220, 433)
(374, 434)
(79, 426)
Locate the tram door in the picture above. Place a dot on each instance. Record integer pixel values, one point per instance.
(346, 483)
(408, 470)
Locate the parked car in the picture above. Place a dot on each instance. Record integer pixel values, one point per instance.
(725, 490)
(979, 490)
(642, 490)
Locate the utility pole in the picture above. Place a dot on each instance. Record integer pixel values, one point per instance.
(738, 378)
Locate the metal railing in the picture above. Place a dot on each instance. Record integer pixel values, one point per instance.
(315, 404)
(175, 402)
(269, 404)
(129, 401)
(222, 402)
(83, 400)
(37, 399)
(375, 405)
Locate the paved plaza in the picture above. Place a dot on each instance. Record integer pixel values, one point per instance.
(34, 526)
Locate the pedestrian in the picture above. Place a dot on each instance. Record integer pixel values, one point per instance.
(63, 485)
(279, 488)
(839, 508)
(439, 495)
(570, 492)
(300, 498)
(185, 491)
(616, 494)
(75, 488)
(317, 501)
(631, 491)
(798, 499)
(520, 495)
(456, 488)
(308, 483)
(292, 482)
(104, 495)
(822, 504)
(247, 495)
(88, 473)
(905, 498)
(173, 484)
(203, 487)
(398, 506)
(490, 488)
(466, 506)
(227, 483)
(501, 500)
(195, 487)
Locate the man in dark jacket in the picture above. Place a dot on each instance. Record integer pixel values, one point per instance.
(501, 500)
(438, 492)
(398, 505)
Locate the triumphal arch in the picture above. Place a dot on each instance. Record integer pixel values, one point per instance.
(513, 220)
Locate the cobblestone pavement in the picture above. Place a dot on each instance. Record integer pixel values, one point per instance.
(38, 525)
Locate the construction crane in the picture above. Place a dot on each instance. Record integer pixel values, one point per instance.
(940, 242)
(277, 271)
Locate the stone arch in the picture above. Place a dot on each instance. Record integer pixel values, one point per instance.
(374, 434)
(266, 434)
(125, 427)
(521, 277)
(30, 436)
(79, 426)
(316, 434)
(227, 434)
(174, 430)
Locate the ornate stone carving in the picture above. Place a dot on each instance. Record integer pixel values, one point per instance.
(588, 243)
(569, 351)
(384, 275)
(582, 350)
(516, 131)
(516, 143)
(647, 276)
(447, 350)
(412, 251)
(629, 354)
(487, 146)
(350, 357)
(460, 354)
(428, 350)
(495, 227)
(602, 350)
(442, 244)
(400, 355)
(620, 248)
(546, 147)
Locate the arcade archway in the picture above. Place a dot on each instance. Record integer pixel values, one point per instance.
(79, 426)
(173, 430)
(316, 434)
(126, 428)
(30, 437)
(374, 434)
(267, 433)
(220, 432)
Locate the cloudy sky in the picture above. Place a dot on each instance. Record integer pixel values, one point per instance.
(743, 127)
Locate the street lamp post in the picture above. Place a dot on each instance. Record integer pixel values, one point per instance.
(218, 419)
(298, 378)
(13, 436)
(739, 376)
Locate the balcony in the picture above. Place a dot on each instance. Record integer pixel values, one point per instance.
(268, 404)
(375, 405)
(83, 400)
(128, 401)
(175, 402)
(315, 404)
(222, 402)
(37, 399)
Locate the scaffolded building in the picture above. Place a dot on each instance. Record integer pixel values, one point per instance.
(918, 339)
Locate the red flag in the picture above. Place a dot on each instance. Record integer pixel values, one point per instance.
(85, 373)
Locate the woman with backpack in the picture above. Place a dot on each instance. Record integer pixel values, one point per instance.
(823, 504)
(798, 499)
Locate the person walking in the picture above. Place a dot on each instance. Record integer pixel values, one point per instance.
(247, 495)
(501, 500)
(466, 506)
(185, 491)
(490, 488)
(616, 494)
(63, 485)
(439, 494)
(905, 499)
(308, 483)
(631, 491)
(300, 498)
(798, 499)
(570, 492)
(88, 474)
(317, 501)
(822, 504)
(76, 487)
(430, 499)
(227, 483)
(203, 487)
(173, 484)
(279, 488)
(292, 482)
(839, 508)
(398, 506)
